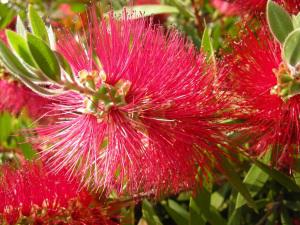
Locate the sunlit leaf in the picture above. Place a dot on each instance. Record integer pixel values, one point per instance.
(20, 47)
(291, 47)
(37, 25)
(44, 57)
(279, 21)
(236, 182)
(177, 212)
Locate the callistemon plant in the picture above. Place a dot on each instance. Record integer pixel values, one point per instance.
(33, 195)
(136, 109)
(265, 76)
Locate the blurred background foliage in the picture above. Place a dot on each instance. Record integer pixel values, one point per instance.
(250, 192)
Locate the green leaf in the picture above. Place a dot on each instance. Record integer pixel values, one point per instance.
(27, 150)
(177, 212)
(235, 217)
(285, 218)
(16, 68)
(52, 39)
(254, 180)
(182, 7)
(293, 205)
(20, 27)
(12, 63)
(6, 126)
(78, 7)
(20, 47)
(201, 205)
(297, 177)
(196, 216)
(279, 21)
(280, 177)
(127, 215)
(291, 48)
(65, 65)
(37, 25)
(207, 45)
(44, 57)
(296, 21)
(218, 197)
(7, 15)
(147, 10)
(236, 182)
(149, 214)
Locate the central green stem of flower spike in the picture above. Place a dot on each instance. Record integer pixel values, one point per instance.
(288, 82)
(105, 96)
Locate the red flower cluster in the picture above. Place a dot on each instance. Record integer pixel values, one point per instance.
(153, 120)
(271, 119)
(242, 7)
(14, 97)
(33, 195)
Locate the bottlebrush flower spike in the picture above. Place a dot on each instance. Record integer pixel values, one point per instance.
(241, 7)
(34, 196)
(265, 101)
(150, 122)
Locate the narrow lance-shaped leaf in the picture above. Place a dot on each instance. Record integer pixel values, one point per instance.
(65, 65)
(6, 126)
(280, 177)
(285, 218)
(206, 44)
(51, 35)
(235, 217)
(255, 180)
(37, 25)
(177, 212)
(12, 63)
(279, 21)
(15, 67)
(20, 47)
(296, 21)
(7, 15)
(236, 182)
(203, 205)
(149, 214)
(291, 48)
(44, 57)
(183, 10)
(20, 27)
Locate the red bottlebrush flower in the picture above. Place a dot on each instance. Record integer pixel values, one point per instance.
(15, 96)
(266, 102)
(35, 195)
(241, 7)
(150, 123)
